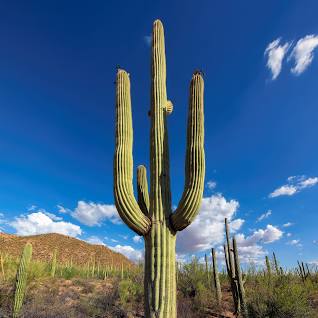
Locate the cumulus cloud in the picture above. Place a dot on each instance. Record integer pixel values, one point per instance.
(303, 54)
(294, 185)
(41, 223)
(275, 54)
(211, 185)
(94, 213)
(249, 247)
(207, 230)
(127, 250)
(137, 239)
(264, 216)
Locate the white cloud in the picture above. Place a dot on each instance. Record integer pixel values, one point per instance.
(265, 215)
(275, 54)
(137, 239)
(211, 185)
(41, 223)
(303, 53)
(293, 242)
(283, 190)
(95, 240)
(94, 213)
(127, 250)
(288, 234)
(288, 224)
(207, 229)
(63, 210)
(32, 207)
(294, 185)
(310, 182)
(249, 247)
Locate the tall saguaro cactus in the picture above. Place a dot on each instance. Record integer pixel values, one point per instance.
(151, 216)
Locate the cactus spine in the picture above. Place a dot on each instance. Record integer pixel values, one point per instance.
(216, 280)
(21, 279)
(152, 215)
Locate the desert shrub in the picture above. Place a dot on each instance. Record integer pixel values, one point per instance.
(129, 291)
(284, 298)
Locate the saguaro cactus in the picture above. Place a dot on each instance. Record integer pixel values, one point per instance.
(21, 279)
(152, 215)
(53, 263)
(216, 280)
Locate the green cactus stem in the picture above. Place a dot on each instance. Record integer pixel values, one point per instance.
(207, 267)
(53, 263)
(268, 268)
(216, 280)
(240, 282)
(21, 279)
(151, 215)
(276, 264)
(230, 266)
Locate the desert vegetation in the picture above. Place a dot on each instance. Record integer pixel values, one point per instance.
(35, 288)
(31, 288)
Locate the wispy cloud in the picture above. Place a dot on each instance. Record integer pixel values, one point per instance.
(211, 185)
(303, 53)
(294, 185)
(95, 240)
(265, 215)
(294, 243)
(275, 54)
(147, 39)
(137, 239)
(288, 224)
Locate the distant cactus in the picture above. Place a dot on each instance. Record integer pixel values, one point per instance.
(152, 216)
(230, 267)
(276, 264)
(240, 281)
(53, 263)
(216, 280)
(207, 267)
(21, 279)
(2, 266)
(268, 267)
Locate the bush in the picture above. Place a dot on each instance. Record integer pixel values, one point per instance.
(285, 298)
(129, 291)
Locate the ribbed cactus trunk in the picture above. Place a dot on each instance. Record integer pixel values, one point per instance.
(152, 215)
(21, 280)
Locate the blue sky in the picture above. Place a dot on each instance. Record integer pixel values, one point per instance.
(58, 62)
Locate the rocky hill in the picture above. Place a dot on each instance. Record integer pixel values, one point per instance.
(68, 249)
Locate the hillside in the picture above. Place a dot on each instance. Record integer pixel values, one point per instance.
(68, 248)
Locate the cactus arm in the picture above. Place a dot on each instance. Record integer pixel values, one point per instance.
(195, 159)
(142, 189)
(125, 201)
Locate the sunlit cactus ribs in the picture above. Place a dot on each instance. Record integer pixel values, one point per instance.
(151, 215)
(21, 280)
